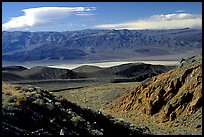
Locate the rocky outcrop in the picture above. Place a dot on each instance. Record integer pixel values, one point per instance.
(168, 97)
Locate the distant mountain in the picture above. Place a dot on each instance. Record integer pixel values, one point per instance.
(94, 44)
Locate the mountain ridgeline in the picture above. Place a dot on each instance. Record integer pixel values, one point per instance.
(121, 73)
(97, 44)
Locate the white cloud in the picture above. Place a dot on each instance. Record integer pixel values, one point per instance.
(180, 11)
(83, 25)
(42, 16)
(163, 21)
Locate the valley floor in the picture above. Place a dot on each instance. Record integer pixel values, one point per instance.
(168, 59)
(102, 64)
(114, 63)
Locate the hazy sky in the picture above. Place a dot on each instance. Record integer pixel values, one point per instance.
(67, 16)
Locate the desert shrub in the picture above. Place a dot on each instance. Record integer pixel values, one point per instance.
(8, 93)
(11, 99)
(20, 100)
(17, 87)
(39, 102)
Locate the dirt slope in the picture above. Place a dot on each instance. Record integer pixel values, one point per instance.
(173, 98)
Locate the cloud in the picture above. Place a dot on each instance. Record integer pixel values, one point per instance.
(180, 11)
(162, 21)
(43, 16)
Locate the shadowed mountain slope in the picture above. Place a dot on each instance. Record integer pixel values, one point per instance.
(87, 69)
(13, 68)
(40, 72)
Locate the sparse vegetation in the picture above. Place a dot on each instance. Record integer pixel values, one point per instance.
(29, 116)
(96, 96)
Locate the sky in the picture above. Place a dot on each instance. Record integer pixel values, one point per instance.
(70, 16)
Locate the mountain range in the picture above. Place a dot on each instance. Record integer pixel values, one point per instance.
(93, 44)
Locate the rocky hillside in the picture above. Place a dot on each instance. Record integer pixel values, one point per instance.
(96, 44)
(121, 73)
(134, 71)
(34, 111)
(173, 98)
(39, 73)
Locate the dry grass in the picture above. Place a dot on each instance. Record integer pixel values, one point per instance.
(12, 91)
